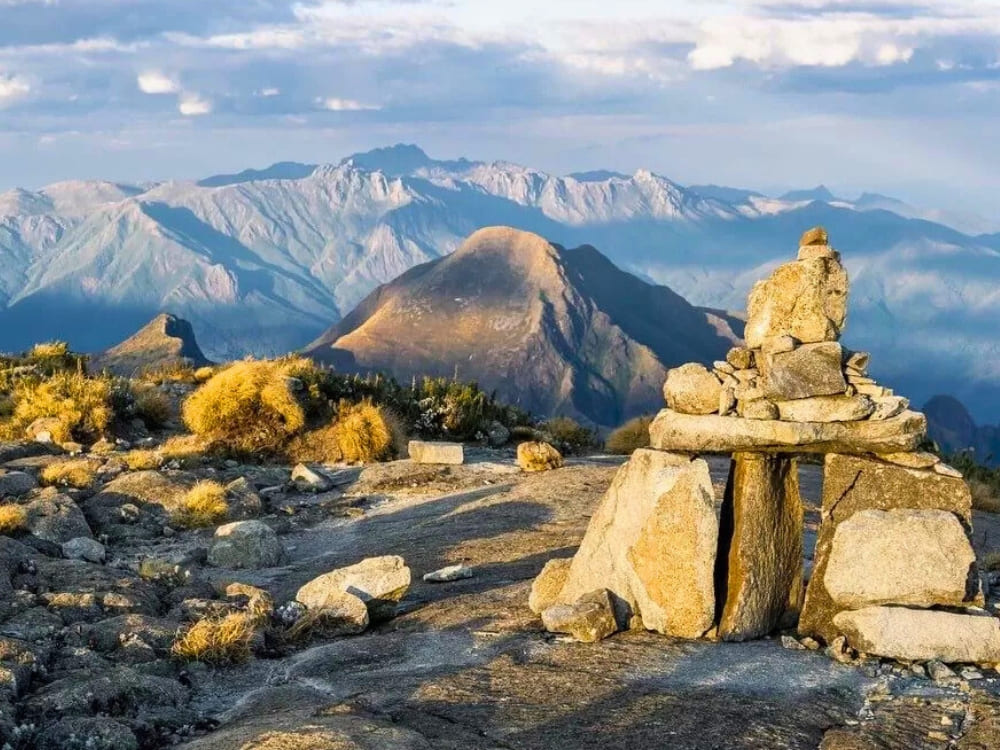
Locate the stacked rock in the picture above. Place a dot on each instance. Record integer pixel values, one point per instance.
(894, 571)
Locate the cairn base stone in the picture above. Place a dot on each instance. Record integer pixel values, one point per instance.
(922, 635)
(857, 483)
(652, 544)
(762, 524)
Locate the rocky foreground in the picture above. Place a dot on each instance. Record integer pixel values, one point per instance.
(85, 645)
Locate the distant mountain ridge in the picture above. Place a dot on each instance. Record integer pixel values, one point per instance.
(551, 330)
(262, 262)
(166, 341)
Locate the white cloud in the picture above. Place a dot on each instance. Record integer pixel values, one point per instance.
(191, 104)
(12, 87)
(335, 104)
(155, 82)
(268, 92)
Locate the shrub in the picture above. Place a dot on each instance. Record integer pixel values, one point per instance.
(79, 473)
(984, 482)
(247, 408)
(187, 450)
(54, 356)
(143, 460)
(217, 641)
(364, 432)
(631, 436)
(12, 519)
(569, 435)
(204, 374)
(151, 405)
(204, 505)
(984, 497)
(81, 405)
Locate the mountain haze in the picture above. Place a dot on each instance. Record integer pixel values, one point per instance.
(552, 330)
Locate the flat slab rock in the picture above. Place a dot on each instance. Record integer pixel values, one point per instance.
(425, 452)
(672, 431)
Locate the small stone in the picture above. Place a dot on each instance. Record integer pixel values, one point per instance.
(747, 376)
(727, 401)
(940, 672)
(497, 435)
(549, 583)
(538, 456)
(838, 650)
(779, 344)
(692, 389)
(915, 460)
(858, 379)
(307, 480)
(918, 670)
(791, 643)
(947, 471)
(810, 643)
(589, 619)
(724, 367)
(875, 391)
(246, 544)
(740, 358)
(436, 452)
(857, 361)
(826, 409)
(449, 574)
(814, 236)
(938, 736)
(84, 548)
(971, 674)
(759, 408)
(887, 407)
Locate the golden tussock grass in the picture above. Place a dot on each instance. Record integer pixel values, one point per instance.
(12, 519)
(365, 432)
(247, 408)
(204, 505)
(142, 460)
(79, 473)
(984, 498)
(217, 641)
(631, 436)
(81, 405)
(187, 450)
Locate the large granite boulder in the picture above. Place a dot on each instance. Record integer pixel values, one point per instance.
(852, 484)
(692, 389)
(652, 544)
(424, 452)
(920, 558)
(808, 370)
(762, 529)
(921, 635)
(56, 518)
(380, 582)
(805, 299)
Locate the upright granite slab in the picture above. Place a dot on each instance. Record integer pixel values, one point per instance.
(652, 544)
(852, 484)
(761, 575)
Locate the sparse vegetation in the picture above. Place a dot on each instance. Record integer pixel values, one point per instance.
(204, 505)
(984, 482)
(142, 460)
(364, 432)
(217, 641)
(631, 436)
(12, 519)
(78, 473)
(151, 405)
(568, 435)
(80, 407)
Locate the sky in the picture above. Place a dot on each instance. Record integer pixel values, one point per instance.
(895, 96)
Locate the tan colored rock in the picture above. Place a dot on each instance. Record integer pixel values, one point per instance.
(779, 344)
(826, 409)
(671, 431)
(589, 619)
(692, 389)
(811, 252)
(887, 407)
(538, 456)
(873, 390)
(810, 370)
(762, 526)
(723, 367)
(922, 635)
(547, 586)
(740, 358)
(852, 484)
(947, 471)
(652, 543)
(916, 460)
(920, 558)
(758, 408)
(858, 361)
(380, 582)
(727, 400)
(805, 299)
(814, 236)
(424, 452)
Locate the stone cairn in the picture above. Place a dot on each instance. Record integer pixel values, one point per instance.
(894, 572)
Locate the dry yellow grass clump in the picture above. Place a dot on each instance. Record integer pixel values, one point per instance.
(187, 450)
(143, 460)
(81, 405)
(217, 641)
(247, 408)
(365, 432)
(12, 519)
(204, 505)
(631, 436)
(49, 350)
(79, 473)
(983, 497)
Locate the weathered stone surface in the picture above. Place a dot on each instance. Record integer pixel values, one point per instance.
(380, 582)
(809, 370)
(307, 480)
(826, 409)
(16, 483)
(902, 556)
(761, 526)
(538, 456)
(56, 519)
(422, 452)
(342, 613)
(246, 544)
(671, 431)
(857, 361)
(652, 543)
(915, 460)
(449, 574)
(692, 389)
(548, 585)
(589, 619)
(921, 635)
(806, 299)
(84, 548)
(810, 252)
(779, 344)
(887, 407)
(852, 484)
(758, 408)
(727, 400)
(740, 358)
(814, 236)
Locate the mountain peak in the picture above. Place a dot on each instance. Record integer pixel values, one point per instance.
(818, 193)
(165, 341)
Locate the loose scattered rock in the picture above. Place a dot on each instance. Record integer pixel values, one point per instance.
(84, 548)
(548, 584)
(380, 582)
(807, 371)
(450, 454)
(246, 544)
(449, 574)
(538, 456)
(589, 619)
(307, 480)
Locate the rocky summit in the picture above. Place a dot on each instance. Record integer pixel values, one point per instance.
(166, 341)
(895, 526)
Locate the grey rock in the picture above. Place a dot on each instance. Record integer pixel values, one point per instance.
(427, 452)
(84, 548)
(16, 483)
(56, 518)
(589, 619)
(810, 370)
(246, 544)
(380, 582)
(307, 480)
(692, 389)
(826, 409)
(449, 574)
